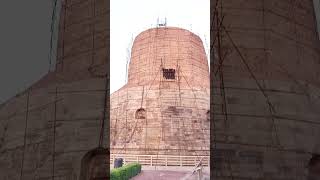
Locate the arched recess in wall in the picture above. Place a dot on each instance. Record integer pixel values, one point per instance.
(95, 165)
(141, 113)
(314, 167)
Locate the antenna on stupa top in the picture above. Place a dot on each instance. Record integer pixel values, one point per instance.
(158, 22)
(162, 23)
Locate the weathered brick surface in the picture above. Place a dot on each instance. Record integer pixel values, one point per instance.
(279, 42)
(72, 98)
(176, 110)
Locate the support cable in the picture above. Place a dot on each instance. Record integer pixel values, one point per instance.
(116, 122)
(101, 138)
(218, 37)
(106, 76)
(53, 20)
(136, 122)
(25, 135)
(270, 106)
(54, 133)
(161, 115)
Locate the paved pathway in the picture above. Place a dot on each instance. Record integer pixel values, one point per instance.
(167, 175)
(159, 175)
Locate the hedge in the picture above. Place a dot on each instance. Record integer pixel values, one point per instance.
(126, 172)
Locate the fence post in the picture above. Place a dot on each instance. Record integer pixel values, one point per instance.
(151, 160)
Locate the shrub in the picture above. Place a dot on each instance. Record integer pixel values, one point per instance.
(125, 172)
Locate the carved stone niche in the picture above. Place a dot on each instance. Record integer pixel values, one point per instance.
(140, 114)
(95, 165)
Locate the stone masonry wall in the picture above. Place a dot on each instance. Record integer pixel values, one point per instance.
(168, 48)
(271, 70)
(176, 121)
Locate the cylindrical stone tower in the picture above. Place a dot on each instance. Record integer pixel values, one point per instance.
(266, 55)
(164, 107)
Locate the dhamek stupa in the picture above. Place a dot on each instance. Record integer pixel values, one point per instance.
(164, 107)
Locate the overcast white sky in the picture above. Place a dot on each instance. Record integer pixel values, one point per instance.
(128, 18)
(25, 37)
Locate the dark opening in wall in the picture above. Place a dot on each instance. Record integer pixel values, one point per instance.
(314, 167)
(316, 5)
(141, 114)
(169, 73)
(95, 165)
